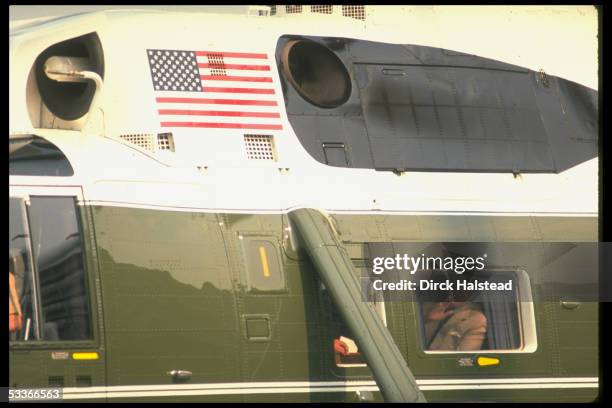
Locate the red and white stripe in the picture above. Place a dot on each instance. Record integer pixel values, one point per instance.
(243, 98)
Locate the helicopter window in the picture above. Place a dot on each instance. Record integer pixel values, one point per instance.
(58, 255)
(47, 287)
(264, 272)
(22, 317)
(35, 156)
(460, 321)
(345, 347)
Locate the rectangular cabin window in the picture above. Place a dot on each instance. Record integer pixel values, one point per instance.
(478, 321)
(346, 349)
(345, 346)
(53, 291)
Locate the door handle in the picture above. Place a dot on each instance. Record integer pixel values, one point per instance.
(570, 305)
(180, 374)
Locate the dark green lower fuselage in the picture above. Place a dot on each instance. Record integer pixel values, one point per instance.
(170, 290)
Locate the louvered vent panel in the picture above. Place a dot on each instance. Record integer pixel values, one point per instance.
(216, 64)
(145, 141)
(259, 147)
(56, 381)
(326, 9)
(165, 141)
(293, 9)
(357, 12)
(83, 381)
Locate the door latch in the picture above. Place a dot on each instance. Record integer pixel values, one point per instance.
(181, 375)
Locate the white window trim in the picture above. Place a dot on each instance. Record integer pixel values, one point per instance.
(47, 191)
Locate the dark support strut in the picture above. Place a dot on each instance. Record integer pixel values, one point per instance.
(391, 373)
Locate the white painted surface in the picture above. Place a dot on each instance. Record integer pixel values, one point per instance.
(293, 387)
(209, 169)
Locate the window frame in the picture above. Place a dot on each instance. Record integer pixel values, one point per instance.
(33, 138)
(74, 192)
(526, 320)
(246, 239)
(379, 307)
(24, 203)
(381, 312)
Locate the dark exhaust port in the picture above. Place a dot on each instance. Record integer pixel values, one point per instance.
(70, 100)
(317, 74)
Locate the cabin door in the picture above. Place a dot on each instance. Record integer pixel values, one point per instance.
(54, 327)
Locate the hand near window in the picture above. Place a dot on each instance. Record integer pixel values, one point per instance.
(440, 311)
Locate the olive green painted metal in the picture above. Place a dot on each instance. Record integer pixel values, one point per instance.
(170, 290)
(389, 367)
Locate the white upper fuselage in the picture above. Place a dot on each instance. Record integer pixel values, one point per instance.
(209, 169)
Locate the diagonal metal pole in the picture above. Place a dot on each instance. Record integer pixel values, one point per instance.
(391, 373)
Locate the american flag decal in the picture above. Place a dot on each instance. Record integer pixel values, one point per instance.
(214, 89)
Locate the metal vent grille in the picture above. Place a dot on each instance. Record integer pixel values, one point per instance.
(326, 9)
(165, 141)
(83, 381)
(357, 12)
(56, 381)
(293, 9)
(216, 64)
(145, 141)
(259, 147)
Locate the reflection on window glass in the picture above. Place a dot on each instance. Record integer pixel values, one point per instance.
(22, 321)
(35, 156)
(61, 276)
(471, 320)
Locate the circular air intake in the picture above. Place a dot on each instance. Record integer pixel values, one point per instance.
(316, 73)
(70, 100)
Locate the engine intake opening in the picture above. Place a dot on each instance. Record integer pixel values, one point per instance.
(70, 100)
(316, 73)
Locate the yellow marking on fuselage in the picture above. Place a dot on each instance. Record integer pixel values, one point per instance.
(264, 261)
(85, 356)
(487, 361)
